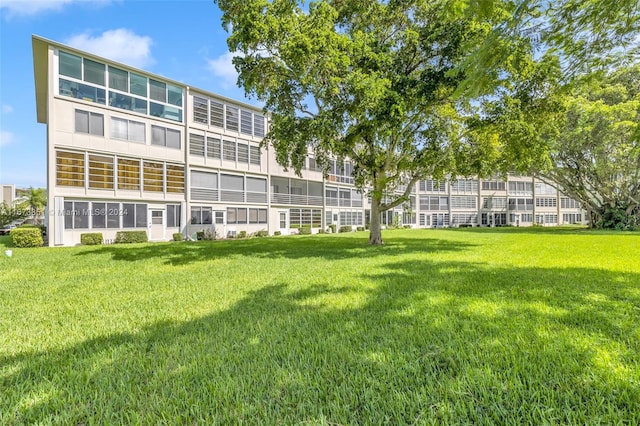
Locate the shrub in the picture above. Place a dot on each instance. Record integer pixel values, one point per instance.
(277, 233)
(261, 233)
(177, 236)
(125, 237)
(26, 237)
(346, 228)
(305, 230)
(91, 238)
(360, 228)
(406, 226)
(333, 228)
(242, 234)
(200, 235)
(42, 228)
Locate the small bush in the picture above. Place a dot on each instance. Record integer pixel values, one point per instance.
(360, 228)
(91, 238)
(346, 228)
(242, 234)
(26, 237)
(333, 228)
(200, 235)
(126, 237)
(261, 233)
(177, 236)
(277, 233)
(305, 230)
(406, 226)
(42, 228)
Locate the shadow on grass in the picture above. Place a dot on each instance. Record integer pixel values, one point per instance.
(445, 342)
(320, 246)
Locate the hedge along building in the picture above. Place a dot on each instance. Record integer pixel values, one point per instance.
(130, 150)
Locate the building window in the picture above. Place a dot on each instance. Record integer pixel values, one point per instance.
(258, 125)
(173, 215)
(129, 174)
(521, 204)
(231, 118)
(246, 122)
(243, 153)
(81, 91)
(137, 85)
(236, 215)
(520, 188)
(432, 186)
(134, 215)
(232, 188)
(213, 148)
(255, 154)
(546, 202)
(300, 217)
(157, 91)
(572, 218)
(257, 215)
(153, 176)
(118, 79)
(196, 145)
(256, 190)
(434, 203)
(127, 130)
(69, 169)
(89, 122)
(204, 186)
(175, 178)
(76, 215)
(200, 215)
(162, 136)
(70, 65)
(545, 189)
(229, 150)
(200, 110)
(569, 203)
(465, 185)
(493, 185)
(463, 202)
(94, 72)
(105, 215)
(217, 114)
(100, 172)
(130, 103)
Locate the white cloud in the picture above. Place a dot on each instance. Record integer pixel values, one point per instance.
(6, 109)
(33, 7)
(120, 45)
(6, 138)
(223, 67)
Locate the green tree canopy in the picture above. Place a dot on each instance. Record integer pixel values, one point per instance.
(582, 137)
(379, 82)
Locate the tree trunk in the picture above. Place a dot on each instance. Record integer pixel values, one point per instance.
(375, 232)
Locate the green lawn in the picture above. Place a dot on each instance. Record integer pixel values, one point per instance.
(507, 326)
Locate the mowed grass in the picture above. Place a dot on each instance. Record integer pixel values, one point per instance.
(491, 326)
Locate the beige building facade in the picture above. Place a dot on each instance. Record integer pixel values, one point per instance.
(130, 150)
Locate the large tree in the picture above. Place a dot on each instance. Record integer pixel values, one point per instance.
(581, 136)
(595, 157)
(379, 82)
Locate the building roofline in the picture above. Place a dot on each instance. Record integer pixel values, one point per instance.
(40, 47)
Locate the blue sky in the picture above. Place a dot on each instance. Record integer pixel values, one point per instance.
(181, 40)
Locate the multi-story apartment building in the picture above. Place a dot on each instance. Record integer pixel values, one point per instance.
(127, 149)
